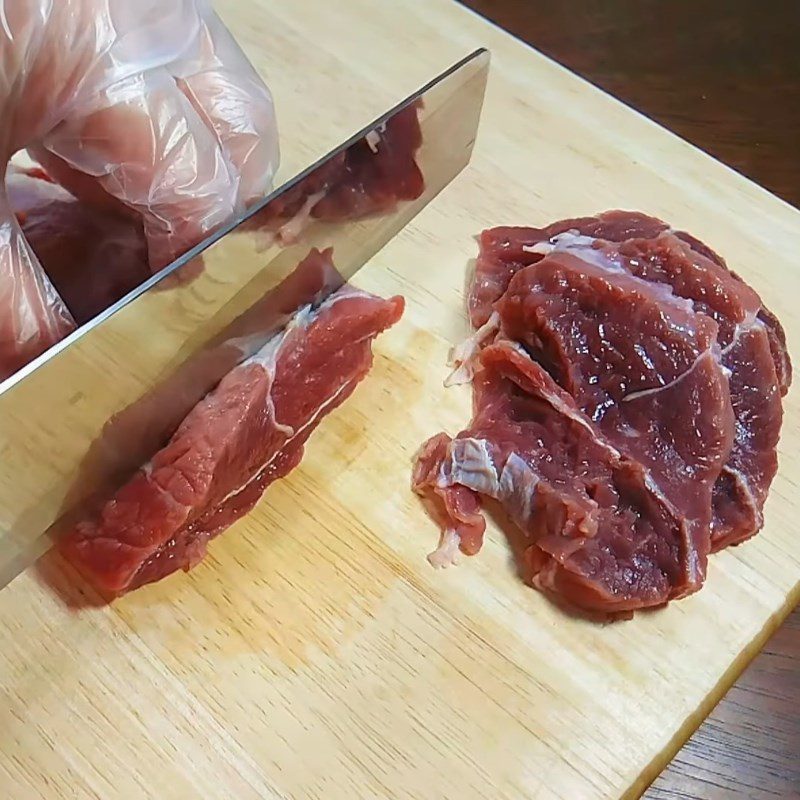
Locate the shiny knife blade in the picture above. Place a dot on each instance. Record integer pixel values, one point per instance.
(76, 421)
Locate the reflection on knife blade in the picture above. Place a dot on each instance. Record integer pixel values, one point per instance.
(370, 177)
(170, 348)
(94, 256)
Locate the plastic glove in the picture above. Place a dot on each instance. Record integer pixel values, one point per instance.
(75, 243)
(148, 106)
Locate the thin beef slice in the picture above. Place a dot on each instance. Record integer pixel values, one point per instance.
(645, 247)
(640, 363)
(597, 534)
(245, 434)
(505, 250)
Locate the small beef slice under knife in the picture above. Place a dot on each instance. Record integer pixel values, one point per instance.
(249, 431)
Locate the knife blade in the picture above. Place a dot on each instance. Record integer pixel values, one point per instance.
(76, 421)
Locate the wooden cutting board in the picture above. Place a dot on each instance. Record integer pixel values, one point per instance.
(315, 653)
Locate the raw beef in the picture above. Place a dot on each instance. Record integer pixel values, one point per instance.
(627, 408)
(505, 250)
(640, 363)
(249, 431)
(752, 342)
(597, 533)
(132, 435)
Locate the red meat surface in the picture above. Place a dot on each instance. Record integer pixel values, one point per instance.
(752, 350)
(597, 534)
(249, 431)
(627, 409)
(505, 250)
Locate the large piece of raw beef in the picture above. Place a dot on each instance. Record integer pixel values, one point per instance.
(627, 392)
(248, 432)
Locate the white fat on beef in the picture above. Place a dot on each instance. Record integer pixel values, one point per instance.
(267, 355)
(604, 255)
(470, 464)
(294, 434)
(568, 240)
(464, 356)
(517, 487)
(749, 323)
(574, 243)
(373, 139)
(447, 554)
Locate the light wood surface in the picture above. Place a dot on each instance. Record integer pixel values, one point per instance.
(315, 653)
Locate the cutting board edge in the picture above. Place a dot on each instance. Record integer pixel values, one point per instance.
(726, 681)
(654, 124)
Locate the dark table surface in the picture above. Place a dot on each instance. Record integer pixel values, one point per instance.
(724, 74)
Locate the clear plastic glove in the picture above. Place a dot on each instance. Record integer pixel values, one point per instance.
(143, 105)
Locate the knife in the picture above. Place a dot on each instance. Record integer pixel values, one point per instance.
(76, 421)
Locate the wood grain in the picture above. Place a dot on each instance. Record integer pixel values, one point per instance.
(725, 76)
(315, 653)
(748, 747)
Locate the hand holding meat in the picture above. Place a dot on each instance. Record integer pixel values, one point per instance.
(147, 107)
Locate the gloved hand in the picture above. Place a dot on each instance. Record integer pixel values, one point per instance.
(148, 106)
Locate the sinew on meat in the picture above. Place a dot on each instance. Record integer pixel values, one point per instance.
(249, 431)
(627, 408)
